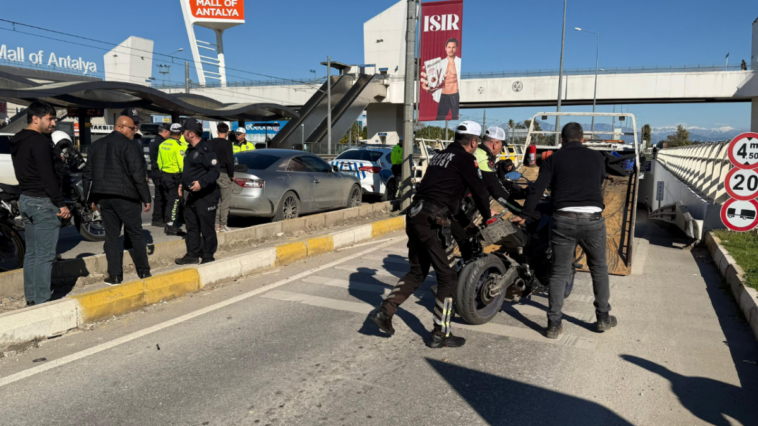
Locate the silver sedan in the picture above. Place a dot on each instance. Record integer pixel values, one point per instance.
(284, 184)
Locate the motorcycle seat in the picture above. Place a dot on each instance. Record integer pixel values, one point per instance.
(11, 189)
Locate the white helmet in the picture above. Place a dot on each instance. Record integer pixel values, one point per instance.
(60, 135)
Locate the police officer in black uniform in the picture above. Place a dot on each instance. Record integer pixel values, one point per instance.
(450, 175)
(201, 194)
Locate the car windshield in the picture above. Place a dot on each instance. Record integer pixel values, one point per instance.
(357, 154)
(256, 161)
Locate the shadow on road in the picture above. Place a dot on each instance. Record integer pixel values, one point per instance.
(707, 399)
(368, 276)
(501, 401)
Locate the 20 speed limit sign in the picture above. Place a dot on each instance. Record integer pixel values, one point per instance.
(743, 151)
(742, 184)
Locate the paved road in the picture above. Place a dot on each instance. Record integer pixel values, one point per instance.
(293, 347)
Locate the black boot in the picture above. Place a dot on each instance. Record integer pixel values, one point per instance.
(158, 223)
(114, 279)
(605, 322)
(207, 260)
(173, 230)
(437, 341)
(188, 260)
(144, 274)
(554, 329)
(383, 321)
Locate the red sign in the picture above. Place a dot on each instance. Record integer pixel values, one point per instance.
(740, 215)
(233, 10)
(743, 151)
(441, 29)
(742, 184)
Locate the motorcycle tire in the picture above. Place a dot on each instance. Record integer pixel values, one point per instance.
(84, 232)
(471, 306)
(12, 248)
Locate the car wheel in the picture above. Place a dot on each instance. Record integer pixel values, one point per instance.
(289, 207)
(390, 191)
(356, 197)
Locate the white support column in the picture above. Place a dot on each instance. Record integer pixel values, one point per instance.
(193, 43)
(221, 59)
(754, 116)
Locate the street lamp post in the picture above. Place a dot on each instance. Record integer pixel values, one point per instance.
(597, 67)
(560, 75)
(314, 75)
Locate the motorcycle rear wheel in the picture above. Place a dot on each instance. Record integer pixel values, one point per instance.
(475, 304)
(12, 248)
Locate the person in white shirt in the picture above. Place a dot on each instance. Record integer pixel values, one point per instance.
(445, 93)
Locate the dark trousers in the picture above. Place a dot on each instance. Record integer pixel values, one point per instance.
(447, 104)
(159, 200)
(200, 218)
(117, 212)
(172, 213)
(425, 250)
(589, 234)
(397, 171)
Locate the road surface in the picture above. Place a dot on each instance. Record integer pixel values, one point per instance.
(294, 347)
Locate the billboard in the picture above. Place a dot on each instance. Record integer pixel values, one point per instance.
(214, 14)
(258, 132)
(441, 29)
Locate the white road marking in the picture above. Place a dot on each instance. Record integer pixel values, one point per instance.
(566, 339)
(403, 261)
(158, 327)
(363, 244)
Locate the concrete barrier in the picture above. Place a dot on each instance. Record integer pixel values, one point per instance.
(92, 269)
(57, 317)
(746, 297)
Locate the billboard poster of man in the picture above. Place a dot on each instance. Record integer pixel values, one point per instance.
(441, 29)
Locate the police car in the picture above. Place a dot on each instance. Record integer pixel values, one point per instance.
(373, 167)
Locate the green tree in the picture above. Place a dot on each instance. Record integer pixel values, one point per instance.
(364, 132)
(434, 132)
(680, 138)
(647, 134)
(355, 131)
(511, 124)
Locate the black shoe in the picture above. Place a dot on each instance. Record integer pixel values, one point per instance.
(173, 230)
(187, 260)
(438, 341)
(605, 322)
(554, 329)
(158, 223)
(383, 321)
(114, 279)
(144, 274)
(207, 260)
(28, 303)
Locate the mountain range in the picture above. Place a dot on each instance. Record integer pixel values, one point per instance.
(700, 134)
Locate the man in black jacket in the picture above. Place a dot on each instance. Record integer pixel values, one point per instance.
(41, 203)
(159, 201)
(450, 175)
(575, 175)
(116, 170)
(225, 156)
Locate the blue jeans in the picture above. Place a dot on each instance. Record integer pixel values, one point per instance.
(590, 235)
(41, 226)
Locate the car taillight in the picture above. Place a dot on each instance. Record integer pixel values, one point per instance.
(370, 169)
(249, 183)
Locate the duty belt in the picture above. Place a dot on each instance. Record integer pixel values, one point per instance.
(590, 216)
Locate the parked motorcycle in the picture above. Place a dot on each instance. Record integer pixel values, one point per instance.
(12, 246)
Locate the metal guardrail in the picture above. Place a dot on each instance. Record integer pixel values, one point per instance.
(702, 167)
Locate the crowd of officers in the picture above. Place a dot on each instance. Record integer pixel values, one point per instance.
(468, 167)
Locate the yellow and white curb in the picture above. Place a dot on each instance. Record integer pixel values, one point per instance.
(60, 316)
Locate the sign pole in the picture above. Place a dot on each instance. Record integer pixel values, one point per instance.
(410, 64)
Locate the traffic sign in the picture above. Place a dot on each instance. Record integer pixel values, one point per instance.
(740, 215)
(743, 151)
(742, 184)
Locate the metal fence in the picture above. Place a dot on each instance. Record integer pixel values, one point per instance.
(702, 167)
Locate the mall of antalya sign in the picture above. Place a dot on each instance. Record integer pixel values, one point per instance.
(38, 58)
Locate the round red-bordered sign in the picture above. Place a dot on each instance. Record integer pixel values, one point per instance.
(740, 215)
(742, 184)
(743, 151)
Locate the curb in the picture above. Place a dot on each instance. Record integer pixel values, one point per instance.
(746, 297)
(57, 317)
(92, 269)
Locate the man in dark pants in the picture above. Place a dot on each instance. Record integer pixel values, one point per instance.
(222, 147)
(171, 164)
(116, 172)
(159, 201)
(201, 194)
(451, 173)
(575, 175)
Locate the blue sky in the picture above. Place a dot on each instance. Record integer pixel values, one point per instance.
(288, 38)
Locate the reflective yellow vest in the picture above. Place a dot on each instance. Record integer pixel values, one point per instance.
(171, 156)
(397, 155)
(247, 146)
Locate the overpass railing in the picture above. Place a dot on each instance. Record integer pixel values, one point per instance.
(703, 167)
(591, 71)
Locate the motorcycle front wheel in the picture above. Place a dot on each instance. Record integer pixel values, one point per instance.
(12, 248)
(89, 224)
(479, 297)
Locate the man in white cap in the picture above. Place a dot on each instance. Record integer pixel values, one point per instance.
(451, 174)
(241, 144)
(486, 157)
